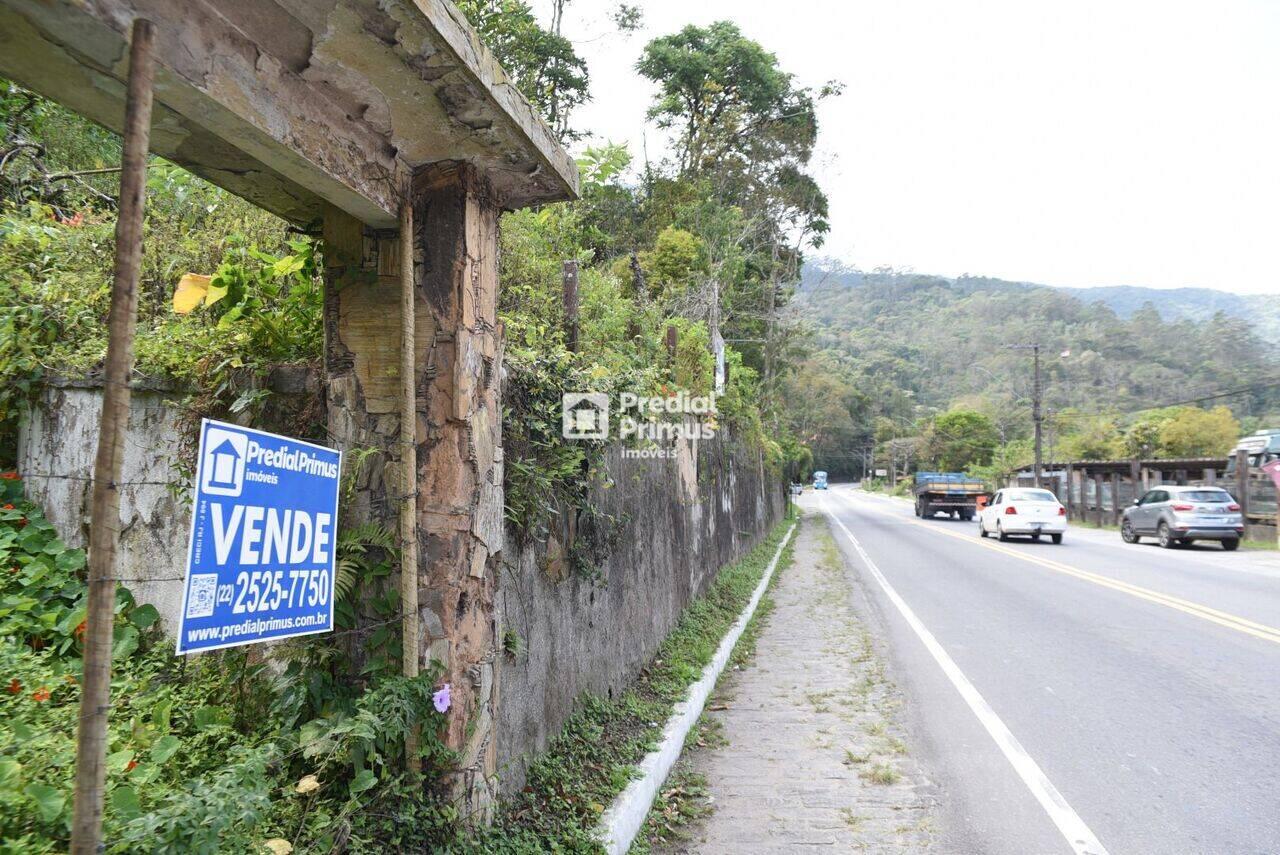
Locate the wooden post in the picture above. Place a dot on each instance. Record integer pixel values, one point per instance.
(569, 274)
(408, 471)
(672, 341)
(104, 532)
(1097, 498)
(1242, 485)
(1070, 502)
(1115, 497)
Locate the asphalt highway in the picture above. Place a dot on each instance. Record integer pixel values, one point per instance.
(1089, 697)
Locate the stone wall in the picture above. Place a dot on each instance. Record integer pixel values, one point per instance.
(679, 521)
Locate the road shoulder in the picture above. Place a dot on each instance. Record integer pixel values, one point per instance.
(802, 744)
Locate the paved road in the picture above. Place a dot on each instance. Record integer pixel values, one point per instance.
(1091, 696)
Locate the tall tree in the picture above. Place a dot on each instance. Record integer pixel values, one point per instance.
(543, 63)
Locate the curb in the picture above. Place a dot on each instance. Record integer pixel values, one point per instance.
(620, 824)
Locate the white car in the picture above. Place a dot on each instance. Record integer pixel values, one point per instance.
(1023, 510)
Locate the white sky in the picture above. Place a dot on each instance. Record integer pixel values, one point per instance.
(1070, 143)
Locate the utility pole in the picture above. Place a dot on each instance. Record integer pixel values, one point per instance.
(1037, 416)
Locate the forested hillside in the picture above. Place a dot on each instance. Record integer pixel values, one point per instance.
(1193, 304)
(894, 350)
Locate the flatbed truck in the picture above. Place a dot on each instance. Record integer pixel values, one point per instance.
(954, 493)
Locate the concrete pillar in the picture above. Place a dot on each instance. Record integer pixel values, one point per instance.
(459, 459)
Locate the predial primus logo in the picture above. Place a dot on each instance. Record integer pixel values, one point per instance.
(584, 415)
(649, 420)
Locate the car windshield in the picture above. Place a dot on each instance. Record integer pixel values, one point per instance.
(1029, 496)
(1205, 496)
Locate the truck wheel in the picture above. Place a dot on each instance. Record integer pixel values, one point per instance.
(925, 511)
(967, 516)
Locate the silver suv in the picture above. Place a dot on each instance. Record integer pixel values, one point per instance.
(1176, 516)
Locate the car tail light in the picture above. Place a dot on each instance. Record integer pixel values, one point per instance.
(1062, 512)
(1010, 510)
(1182, 507)
(1233, 507)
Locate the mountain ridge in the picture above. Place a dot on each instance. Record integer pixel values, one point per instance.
(1190, 303)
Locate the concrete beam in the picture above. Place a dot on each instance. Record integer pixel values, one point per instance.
(295, 104)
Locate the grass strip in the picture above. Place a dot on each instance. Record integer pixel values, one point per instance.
(596, 753)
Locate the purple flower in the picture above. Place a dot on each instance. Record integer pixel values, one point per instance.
(441, 699)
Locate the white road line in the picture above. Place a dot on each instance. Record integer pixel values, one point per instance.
(1073, 828)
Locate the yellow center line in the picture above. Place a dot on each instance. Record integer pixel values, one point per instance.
(1258, 630)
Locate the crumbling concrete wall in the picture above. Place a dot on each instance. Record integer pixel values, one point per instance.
(56, 445)
(679, 521)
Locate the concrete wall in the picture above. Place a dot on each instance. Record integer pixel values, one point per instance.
(56, 447)
(57, 442)
(679, 521)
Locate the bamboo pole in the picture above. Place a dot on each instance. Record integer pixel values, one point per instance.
(409, 470)
(95, 698)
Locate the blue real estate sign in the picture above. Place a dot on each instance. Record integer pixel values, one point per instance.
(260, 562)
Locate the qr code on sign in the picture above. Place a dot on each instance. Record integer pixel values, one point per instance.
(204, 587)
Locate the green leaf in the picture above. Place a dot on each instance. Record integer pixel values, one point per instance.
(363, 781)
(119, 760)
(73, 619)
(144, 616)
(125, 642)
(71, 560)
(10, 773)
(48, 800)
(55, 547)
(164, 748)
(125, 802)
(162, 715)
(207, 718)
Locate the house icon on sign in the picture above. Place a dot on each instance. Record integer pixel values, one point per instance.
(224, 465)
(223, 454)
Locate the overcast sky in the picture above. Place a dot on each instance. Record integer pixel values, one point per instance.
(1069, 143)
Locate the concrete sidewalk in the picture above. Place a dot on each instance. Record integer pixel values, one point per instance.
(813, 755)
